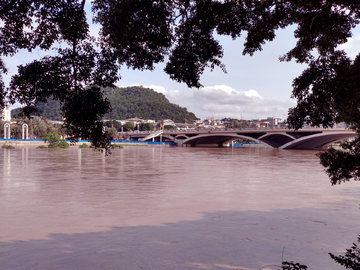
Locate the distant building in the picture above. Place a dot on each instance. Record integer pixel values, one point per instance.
(272, 121)
(150, 121)
(209, 121)
(197, 122)
(168, 122)
(6, 113)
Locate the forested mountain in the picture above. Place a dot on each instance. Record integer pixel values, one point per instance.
(50, 109)
(127, 102)
(137, 101)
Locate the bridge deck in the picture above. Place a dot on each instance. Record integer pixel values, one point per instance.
(306, 138)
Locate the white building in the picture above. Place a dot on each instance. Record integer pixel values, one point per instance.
(272, 121)
(6, 113)
(168, 122)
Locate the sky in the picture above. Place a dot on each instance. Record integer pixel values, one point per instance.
(254, 87)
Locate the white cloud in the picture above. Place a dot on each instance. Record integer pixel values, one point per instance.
(159, 89)
(351, 46)
(222, 101)
(252, 93)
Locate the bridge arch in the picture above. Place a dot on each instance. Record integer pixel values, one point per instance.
(276, 140)
(181, 137)
(316, 141)
(217, 139)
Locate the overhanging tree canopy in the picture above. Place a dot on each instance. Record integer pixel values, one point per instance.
(142, 33)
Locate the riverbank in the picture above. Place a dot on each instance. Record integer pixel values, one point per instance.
(22, 143)
(37, 142)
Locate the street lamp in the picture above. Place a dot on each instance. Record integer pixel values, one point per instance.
(185, 121)
(241, 119)
(274, 119)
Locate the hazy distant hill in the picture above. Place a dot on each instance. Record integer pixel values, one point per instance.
(127, 102)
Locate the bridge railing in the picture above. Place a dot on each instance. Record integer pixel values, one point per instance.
(222, 129)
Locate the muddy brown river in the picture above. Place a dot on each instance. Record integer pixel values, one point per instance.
(171, 208)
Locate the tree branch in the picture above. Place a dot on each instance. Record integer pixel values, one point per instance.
(8, 7)
(75, 43)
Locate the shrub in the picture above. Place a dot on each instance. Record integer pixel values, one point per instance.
(84, 145)
(41, 147)
(52, 139)
(55, 141)
(62, 144)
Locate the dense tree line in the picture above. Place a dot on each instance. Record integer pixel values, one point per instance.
(125, 102)
(145, 103)
(50, 109)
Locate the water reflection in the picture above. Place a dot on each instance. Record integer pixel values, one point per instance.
(200, 203)
(25, 156)
(7, 164)
(79, 158)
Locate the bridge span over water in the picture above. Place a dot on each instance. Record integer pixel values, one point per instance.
(307, 138)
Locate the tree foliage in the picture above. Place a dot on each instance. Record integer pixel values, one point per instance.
(169, 127)
(351, 260)
(137, 101)
(73, 75)
(51, 138)
(37, 127)
(146, 126)
(113, 132)
(293, 266)
(113, 124)
(128, 126)
(142, 33)
(54, 140)
(126, 102)
(50, 109)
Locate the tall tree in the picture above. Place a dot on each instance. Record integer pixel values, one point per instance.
(73, 75)
(142, 33)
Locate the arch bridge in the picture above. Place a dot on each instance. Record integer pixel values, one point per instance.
(306, 139)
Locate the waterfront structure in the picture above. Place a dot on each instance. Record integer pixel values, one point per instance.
(25, 132)
(6, 114)
(7, 131)
(305, 139)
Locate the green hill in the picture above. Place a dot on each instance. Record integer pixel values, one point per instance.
(126, 102)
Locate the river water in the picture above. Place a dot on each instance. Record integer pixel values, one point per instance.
(171, 208)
